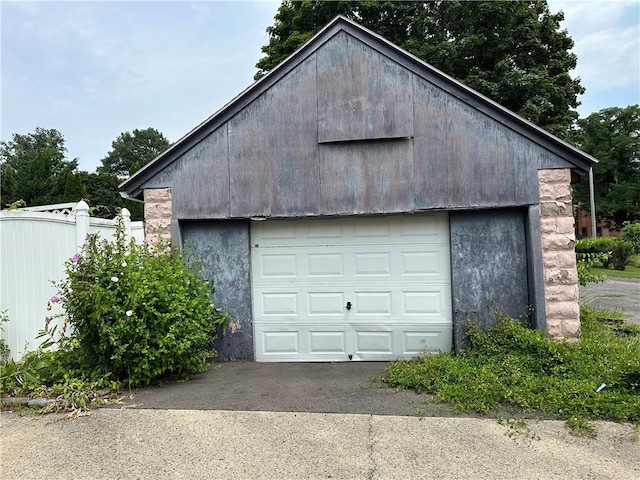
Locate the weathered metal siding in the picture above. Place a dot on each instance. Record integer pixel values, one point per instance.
(489, 267)
(224, 249)
(273, 151)
(350, 131)
(361, 93)
(366, 177)
(465, 159)
(199, 180)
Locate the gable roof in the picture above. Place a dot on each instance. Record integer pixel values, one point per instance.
(132, 187)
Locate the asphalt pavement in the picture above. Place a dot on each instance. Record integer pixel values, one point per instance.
(617, 294)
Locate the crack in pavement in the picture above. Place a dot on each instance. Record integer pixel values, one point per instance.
(370, 445)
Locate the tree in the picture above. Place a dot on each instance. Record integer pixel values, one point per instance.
(612, 135)
(103, 194)
(133, 150)
(34, 168)
(74, 191)
(512, 52)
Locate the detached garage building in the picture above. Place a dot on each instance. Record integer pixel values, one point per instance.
(358, 204)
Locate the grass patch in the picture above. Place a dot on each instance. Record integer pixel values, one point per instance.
(630, 271)
(513, 367)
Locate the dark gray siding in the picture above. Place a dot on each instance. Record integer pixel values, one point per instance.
(199, 180)
(366, 177)
(361, 93)
(349, 131)
(224, 250)
(274, 152)
(488, 267)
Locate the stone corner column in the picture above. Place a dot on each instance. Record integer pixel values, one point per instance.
(558, 254)
(157, 215)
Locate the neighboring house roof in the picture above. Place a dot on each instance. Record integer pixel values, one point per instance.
(580, 160)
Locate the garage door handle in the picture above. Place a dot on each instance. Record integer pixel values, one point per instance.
(348, 305)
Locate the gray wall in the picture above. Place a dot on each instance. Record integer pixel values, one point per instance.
(489, 267)
(350, 131)
(223, 248)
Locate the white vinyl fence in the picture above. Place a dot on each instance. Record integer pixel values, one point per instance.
(34, 246)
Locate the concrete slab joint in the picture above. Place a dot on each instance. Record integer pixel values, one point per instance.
(558, 254)
(157, 215)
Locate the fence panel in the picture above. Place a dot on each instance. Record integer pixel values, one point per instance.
(34, 246)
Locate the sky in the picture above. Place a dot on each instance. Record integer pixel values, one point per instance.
(93, 70)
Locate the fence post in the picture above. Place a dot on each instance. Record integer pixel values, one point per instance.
(82, 223)
(126, 223)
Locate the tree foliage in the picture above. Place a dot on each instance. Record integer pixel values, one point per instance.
(133, 150)
(136, 313)
(102, 194)
(34, 168)
(612, 135)
(512, 52)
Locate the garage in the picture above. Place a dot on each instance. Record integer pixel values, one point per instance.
(357, 204)
(373, 288)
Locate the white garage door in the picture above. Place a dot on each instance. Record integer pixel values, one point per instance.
(374, 288)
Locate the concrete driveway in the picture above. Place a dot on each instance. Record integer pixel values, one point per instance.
(302, 421)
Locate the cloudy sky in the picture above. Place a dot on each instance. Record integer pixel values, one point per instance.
(93, 70)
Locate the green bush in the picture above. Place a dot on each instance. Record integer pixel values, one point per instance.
(135, 313)
(631, 233)
(621, 254)
(602, 247)
(514, 367)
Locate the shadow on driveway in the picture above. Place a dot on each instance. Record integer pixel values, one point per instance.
(348, 387)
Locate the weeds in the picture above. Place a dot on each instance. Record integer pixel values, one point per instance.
(514, 367)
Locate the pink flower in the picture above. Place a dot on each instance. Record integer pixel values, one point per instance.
(47, 320)
(76, 258)
(55, 299)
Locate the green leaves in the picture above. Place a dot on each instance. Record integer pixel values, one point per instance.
(516, 367)
(513, 52)
(133, 150)
(612, 135)
(34, 168)
(138, 312)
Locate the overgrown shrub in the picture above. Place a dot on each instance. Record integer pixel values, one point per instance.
(621, 254)
(513, 366)
(631, 233)
(135, 312)
(602, 247)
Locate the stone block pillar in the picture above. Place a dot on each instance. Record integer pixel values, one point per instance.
(157, 214)
(558, 254)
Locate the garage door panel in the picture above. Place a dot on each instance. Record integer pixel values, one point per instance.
(326, 304)
(428, 263)
(394, 271)
(281, 342)
(415, 342)
(372, 263)
(279, 304)
(323, 342)
(412, 264)
(325, 230)
(422, 303)
(376, 342)
(372, 303)
(325, 265)
(278, 266)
